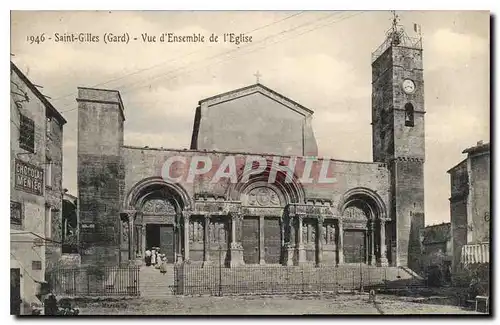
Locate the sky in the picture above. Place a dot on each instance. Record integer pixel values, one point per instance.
(321, 59)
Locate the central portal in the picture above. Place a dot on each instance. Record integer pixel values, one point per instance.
(354, 246)
(161, 235)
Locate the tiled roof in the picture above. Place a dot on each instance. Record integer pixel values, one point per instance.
(480, 147)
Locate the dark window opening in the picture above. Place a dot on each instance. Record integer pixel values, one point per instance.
(409, 115)
(49, 126)
(16, 216)
(70, 229)
(36, 265)
(27, 134)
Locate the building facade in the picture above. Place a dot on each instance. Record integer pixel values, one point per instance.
(36, 188)
(437, 249)
(135, 198)
(470, 208)
(70, 231)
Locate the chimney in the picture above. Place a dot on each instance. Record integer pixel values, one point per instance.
(480, 143)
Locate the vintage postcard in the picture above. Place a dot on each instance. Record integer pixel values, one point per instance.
(250, 162)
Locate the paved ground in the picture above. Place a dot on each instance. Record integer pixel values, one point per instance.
(262, 305)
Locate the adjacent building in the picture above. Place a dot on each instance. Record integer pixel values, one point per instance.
(437, 248)
(36, 133)
(70, 229)
(470, 211)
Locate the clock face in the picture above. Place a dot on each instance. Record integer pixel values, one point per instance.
(408, 86)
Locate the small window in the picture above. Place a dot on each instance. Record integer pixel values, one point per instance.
(27, 134)
(36, 265)
(49, 126)
(48, 172)
(16, 214)
(409, 115)
(48, 222)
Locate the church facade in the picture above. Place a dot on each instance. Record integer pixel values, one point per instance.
(252, 189)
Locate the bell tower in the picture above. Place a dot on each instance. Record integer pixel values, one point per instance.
(398, 132)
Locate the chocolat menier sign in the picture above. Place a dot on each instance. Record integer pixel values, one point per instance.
(29, 178)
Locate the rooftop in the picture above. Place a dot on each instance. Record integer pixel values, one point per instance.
(258, 87)
(437, 233)
(247, 154)
(51, 109)
(478, 148)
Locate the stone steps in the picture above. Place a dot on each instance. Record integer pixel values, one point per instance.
(155, 285)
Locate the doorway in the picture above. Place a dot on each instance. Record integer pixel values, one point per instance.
(272, 240)
(15, 291)
(354, 246)
(161, 235)
(250, 240)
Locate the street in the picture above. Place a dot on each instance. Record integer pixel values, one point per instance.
(267, 305)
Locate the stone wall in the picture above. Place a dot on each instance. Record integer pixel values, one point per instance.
(54, 193)
(100, 128)
(254, 120)
(479, 198)
(141, 163)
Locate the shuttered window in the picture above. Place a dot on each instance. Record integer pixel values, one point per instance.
(27, 134)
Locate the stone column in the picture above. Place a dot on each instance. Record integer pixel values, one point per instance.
(319, 239)
(179, 257)
(340, 236)
(206, 240)
(186, 215)
(236, 249)
(131, 241)
(301, 252)
(383, 248)
(143, 240)
(290, 248)
(261, 241)
(371, 243)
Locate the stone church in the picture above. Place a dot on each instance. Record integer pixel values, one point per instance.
(373, 213)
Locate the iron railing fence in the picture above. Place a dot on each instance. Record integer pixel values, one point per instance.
(95, 281)
(216, 280)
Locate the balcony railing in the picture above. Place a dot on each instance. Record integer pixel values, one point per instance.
(476, 253)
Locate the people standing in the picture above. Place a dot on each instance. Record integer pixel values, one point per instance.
(147, 257)
(163, 266)
(50, 306)
(153, 256)
(158, 258)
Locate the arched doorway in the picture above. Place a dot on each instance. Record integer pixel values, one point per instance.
(158, 216)
(362, 220)
(358, 233)
(262, 233)
(158, 207)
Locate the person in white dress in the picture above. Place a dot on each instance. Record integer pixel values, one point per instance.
(153, 256)
(147, 257)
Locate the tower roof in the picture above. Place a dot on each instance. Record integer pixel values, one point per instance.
(397, 36)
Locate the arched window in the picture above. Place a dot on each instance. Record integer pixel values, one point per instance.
(409, 120)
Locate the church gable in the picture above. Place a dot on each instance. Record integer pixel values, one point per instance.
(257, 88)
(253, 119)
